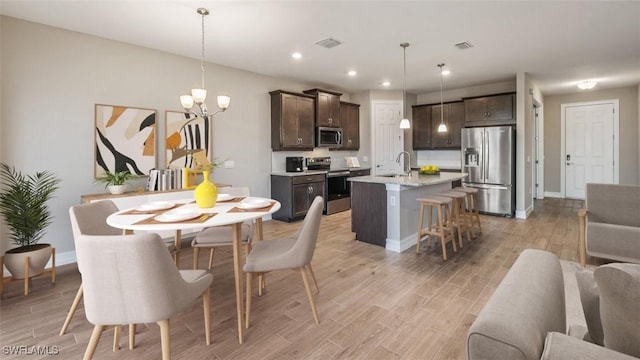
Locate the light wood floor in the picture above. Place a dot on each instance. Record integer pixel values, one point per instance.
(373, 304)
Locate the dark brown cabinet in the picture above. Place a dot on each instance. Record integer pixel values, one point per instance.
(490, 110)
(454, 119)
(327, 107)
(350, 121)
(421, 130)
(295, 194)
(292, 121)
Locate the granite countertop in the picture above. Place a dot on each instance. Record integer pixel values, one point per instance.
(415, 179)
(315, 172)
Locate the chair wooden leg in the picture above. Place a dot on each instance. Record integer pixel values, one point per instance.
(196, 257)
(53, 265)
(72, 310)
(309, 295)
(248, 304)
(26, 276)
(211, 252)
(132, 336)
(116, 337)
(313, 277)
(206, 304)
(165, 339)
(93, 342)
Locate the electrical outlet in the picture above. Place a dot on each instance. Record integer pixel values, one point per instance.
(229, 164)
(392, 200)
(365, 158)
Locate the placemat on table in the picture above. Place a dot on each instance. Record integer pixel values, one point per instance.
(262, 209)
(148, 212)
(198, 220)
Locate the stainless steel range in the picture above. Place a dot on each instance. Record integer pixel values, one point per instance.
(338, 188)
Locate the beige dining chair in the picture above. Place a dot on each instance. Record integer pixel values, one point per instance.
(292, 252)
(216, 236)
(132, 279)
(91, 219)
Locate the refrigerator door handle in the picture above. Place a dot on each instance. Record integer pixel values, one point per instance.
(486, 156)
(482, 186)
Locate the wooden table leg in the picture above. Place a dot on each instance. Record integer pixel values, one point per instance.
(237, 273)
(259, 237)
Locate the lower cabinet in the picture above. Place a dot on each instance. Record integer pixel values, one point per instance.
(295, 194)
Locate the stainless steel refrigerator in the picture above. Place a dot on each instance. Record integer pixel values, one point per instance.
(488, 156)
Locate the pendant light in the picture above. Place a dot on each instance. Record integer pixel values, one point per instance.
(404, 123)
(198, 96)
(442, 127)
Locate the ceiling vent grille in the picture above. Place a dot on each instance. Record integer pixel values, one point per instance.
(464, 45)
(328, 43)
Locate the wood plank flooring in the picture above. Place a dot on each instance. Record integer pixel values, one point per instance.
(373, 304)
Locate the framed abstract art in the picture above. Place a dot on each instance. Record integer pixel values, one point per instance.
(125, 139)
(188, 139)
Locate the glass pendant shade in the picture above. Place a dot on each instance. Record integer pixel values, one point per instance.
(442, 127)
(199, 95)
(224, 101)
(186, 101)
(405, 124)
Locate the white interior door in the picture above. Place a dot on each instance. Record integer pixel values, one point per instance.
(589, 147)
(388, 137)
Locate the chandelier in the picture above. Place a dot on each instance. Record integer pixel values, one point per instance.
(198, 96)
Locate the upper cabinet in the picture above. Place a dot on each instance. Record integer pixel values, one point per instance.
(454, 119)
(327, 107)
(421, 128)
(292, 121)
(490, 110)
(426, 119)
(350, 121)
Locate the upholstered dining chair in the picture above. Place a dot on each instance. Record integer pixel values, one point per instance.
(214, 237)
(292, 252)
(132, 279)
(91, 219)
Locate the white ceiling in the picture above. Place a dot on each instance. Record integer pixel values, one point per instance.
(557, 42)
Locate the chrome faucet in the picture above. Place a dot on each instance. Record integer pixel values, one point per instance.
(407, 165)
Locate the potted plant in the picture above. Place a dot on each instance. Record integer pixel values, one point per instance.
(23, 204)
(115, 182)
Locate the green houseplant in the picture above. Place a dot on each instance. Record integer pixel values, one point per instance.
(23, 204)
(115, 182)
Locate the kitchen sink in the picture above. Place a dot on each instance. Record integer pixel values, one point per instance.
(394, 175)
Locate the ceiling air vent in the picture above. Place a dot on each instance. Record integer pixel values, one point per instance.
(464, 45)
(328, 43)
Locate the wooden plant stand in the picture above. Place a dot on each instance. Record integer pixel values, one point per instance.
(27, 278)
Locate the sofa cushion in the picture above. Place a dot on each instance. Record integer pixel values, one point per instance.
(613, 204)
(590, 299)
(616, 242)
(559, 346)
(619, 287)
(528, 303)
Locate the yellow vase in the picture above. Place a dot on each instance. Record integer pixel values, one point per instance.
(206, 193)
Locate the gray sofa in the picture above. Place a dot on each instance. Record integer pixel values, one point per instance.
(610, 223)
(525, 318)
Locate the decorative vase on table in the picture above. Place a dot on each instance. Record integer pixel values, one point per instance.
(206, 193)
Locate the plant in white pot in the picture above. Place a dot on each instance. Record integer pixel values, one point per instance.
(23, 204)
(115, 182)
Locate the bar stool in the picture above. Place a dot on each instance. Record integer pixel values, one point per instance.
(472, 206)
(444, 228)
(458, 213)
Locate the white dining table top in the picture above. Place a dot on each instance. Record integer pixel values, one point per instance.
(124, 219)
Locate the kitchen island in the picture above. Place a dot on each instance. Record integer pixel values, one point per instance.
(384, 210)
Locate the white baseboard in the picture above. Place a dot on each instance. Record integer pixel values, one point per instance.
(553, 194)
(401, 245)
(524, 214)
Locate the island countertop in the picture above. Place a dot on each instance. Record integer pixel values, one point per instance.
(414, 180)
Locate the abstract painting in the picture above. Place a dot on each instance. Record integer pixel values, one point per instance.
(188, 139)
(125, 139)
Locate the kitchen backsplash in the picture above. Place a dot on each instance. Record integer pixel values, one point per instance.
(278, 158)
(444, 159)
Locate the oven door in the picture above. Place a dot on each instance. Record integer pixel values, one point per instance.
(338, 192)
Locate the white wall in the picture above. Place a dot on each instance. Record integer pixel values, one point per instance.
(52, 78)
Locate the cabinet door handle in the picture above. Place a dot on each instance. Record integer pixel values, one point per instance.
(309, 189)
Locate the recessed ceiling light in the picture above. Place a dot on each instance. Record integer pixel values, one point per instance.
(386, 83)
(446, 72)
(587, 84)
(296, 55)
(352, 73)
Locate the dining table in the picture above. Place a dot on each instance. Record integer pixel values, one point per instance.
(181, 215)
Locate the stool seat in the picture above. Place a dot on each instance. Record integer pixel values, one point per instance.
(454, 194)
(435, 200)
(466, 190)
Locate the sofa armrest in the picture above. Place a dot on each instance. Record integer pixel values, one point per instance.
(582, 215)
(563, 347)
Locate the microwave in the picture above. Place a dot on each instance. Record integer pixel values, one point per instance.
(328, 137)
